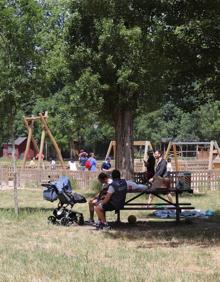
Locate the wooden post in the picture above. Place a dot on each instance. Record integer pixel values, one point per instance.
(109, 149)
(114, 150)
(147, 146)
(175, 157)
(43, 134)
(217, 148)
(197, 151)
(32, 137)
(211, 154)
(168, 150)
(27, 145)
(53, 141)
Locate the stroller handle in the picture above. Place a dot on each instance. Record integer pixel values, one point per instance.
(48, 185)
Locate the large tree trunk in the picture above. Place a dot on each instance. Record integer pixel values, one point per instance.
(124, 160)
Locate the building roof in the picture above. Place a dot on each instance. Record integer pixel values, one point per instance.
(20, 140)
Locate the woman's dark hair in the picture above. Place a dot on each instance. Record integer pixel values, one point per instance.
(116, 174)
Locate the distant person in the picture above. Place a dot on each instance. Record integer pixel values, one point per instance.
(169, 166)
(92, 162)
(53, 164)
(150, 164)
(38, 155)
(82, 159)
(72, 165)
(106, 165)
(82, 153)
(32, 162)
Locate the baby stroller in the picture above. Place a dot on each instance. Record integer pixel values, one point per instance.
(62, 190)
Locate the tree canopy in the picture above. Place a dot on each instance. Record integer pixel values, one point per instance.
(98, 66)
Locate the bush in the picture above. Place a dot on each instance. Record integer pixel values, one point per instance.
(73, 183)
(95, 186)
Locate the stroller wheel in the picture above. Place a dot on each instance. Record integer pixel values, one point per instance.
(65, 221)
(73, 217)
(81, 220)
(51, 219)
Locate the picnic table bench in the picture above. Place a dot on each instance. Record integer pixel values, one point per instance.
(130, 204)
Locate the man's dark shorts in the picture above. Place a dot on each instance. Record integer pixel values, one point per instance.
(108, 207)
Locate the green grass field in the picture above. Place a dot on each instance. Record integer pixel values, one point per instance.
(151, 250)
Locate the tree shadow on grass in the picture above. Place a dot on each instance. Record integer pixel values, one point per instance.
(198, 231)
(193, 195)
(26, 210)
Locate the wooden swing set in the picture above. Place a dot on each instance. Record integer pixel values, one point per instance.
(213, 152)
(29, 124)
(140, 144)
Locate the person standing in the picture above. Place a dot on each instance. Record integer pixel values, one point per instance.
(82, 159)
(106, 165)
(150, 164)
(72, 165)
(53, 164)
(169, 166)
(161, 170)
(92, 162)
(32, 163)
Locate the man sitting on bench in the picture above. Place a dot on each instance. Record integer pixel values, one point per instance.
(114, 199)
(105, 181)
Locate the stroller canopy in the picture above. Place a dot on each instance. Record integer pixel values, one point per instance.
(63, 184)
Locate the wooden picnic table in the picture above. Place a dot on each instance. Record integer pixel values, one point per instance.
(130, 204)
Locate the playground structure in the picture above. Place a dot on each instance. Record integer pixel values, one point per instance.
(185, 155)
(29, 124)
(142, 146)
(197, 155)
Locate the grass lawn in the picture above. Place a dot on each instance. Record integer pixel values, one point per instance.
(151, 250)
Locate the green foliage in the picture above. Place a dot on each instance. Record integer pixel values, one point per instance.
(203, 124)
(209, 120)
(85, 61)
(96, 186)
(191, 39)
(110, 55)
(19, 22)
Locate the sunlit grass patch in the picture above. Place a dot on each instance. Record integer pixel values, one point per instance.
(151, 250)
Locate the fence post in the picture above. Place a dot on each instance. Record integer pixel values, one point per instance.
(209, 177)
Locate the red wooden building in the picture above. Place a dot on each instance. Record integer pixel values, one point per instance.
(20, 145)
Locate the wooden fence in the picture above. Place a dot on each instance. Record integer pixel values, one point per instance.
(201, 180)
(184, 165)
(33, 177)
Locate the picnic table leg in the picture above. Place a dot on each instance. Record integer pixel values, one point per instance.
(178, 210)
(118, 220)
